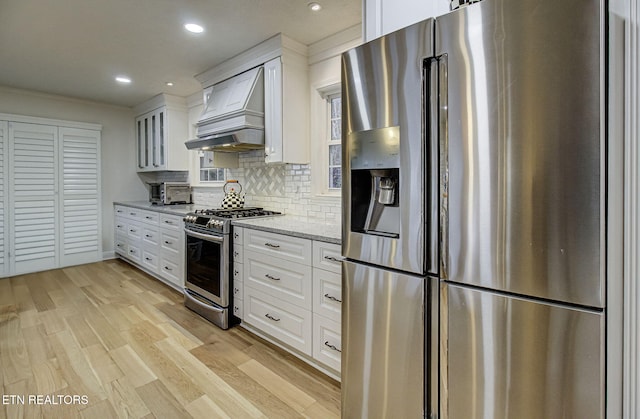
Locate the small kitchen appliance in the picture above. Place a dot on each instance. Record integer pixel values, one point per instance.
(208, 279)
(170, 193)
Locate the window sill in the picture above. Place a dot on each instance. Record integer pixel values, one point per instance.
(208, 185)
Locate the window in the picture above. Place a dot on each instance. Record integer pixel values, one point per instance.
(335, 141)
(326, 141)
(209, 173)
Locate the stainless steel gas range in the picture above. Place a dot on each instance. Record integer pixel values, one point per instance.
(208, 279)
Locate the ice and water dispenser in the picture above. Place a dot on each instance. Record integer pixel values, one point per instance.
(375, 176)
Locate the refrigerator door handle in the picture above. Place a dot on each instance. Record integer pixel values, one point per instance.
(443, 136)
(433, 182)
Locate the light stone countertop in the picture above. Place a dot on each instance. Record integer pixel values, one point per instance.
(295, 226)
(291, 225)
(167, 209)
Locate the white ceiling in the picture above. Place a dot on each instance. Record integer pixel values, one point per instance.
(76, 47)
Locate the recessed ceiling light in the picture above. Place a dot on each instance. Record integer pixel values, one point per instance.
(314, 6)
(192, 27)
(123, 79)
(169, 83)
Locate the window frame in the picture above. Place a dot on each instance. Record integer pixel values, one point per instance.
(321, 138)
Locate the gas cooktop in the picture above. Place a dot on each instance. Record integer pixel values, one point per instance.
(218, 221)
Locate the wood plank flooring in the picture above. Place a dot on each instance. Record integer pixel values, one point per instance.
(105, 340)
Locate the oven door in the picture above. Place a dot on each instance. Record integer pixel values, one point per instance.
(207, 270)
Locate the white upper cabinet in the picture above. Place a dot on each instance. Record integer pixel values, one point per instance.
(161, 130)
(286, 94)
(286, 110)
(385, 16)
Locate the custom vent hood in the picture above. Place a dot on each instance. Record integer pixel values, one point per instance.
(233, 117)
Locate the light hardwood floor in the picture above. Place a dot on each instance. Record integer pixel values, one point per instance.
(124, 345)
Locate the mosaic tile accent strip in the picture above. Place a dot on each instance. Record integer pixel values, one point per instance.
(264, 181)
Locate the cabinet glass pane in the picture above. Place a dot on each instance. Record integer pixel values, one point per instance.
(139, 136)
(154, 134)
(146, 142)
(161, 140)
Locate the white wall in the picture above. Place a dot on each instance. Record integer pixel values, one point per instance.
(119, 179)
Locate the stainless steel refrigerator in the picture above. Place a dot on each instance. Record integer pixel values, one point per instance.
(474, 228)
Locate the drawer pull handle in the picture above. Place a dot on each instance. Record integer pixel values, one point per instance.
(272, 277)
(132, 230)
(332, 259)
(236, 272)
(119, 245)
(331, 297)
(168, 268)
(131, 251)
(273, 246)
(270, 317)
(330, 346)
(148, 217)
(119, 211)
(148, 259)
(236, 236)
(167, 242)
(119, 225)
(148, 235)
(168, 221)
(236, 254)
(133, 214)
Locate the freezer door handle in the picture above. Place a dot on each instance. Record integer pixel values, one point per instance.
(432, 182)
(443, 135)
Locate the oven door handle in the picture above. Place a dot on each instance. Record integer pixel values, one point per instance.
(207, 237)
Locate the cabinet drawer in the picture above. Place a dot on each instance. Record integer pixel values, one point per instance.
(172, 271)
(133, 252)
(327, 256)
(327, 294)
(171, 242)
(120, 211)
(238, 235)
(172, 222)
(238, 271)
(327, 341)
(286, 322)
(132, 213)
(134, 231)
(121, 245)
(150, 236)
(149, 217)
(121, 226)
(282, 279)
(149, 260)
(290, 248)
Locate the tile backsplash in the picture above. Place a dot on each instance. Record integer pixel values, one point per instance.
(285, 187)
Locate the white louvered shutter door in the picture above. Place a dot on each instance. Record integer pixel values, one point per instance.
(33, 203)
(3, 197)
(80, 177)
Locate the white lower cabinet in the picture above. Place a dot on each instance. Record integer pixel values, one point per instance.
(287, 322)
(153, 241)
(327, 341)
(292, 292)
